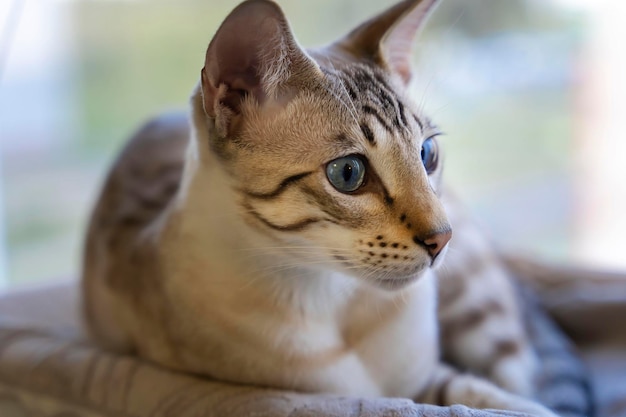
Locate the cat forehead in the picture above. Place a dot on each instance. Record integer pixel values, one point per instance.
(351, 108)
(377, 101)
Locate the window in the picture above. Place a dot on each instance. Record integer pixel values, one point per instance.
(526, 91)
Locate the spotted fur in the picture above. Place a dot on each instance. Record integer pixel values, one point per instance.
(222, 249)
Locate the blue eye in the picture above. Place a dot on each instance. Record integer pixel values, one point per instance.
(430, 155)
(346, 174)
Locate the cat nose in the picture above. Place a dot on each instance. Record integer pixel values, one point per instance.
(435, 243)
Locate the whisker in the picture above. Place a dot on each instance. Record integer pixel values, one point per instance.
(302, 254)
(353, 112)
(294, 247)
(295, 265)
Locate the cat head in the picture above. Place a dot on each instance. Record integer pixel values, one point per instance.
(328, 153)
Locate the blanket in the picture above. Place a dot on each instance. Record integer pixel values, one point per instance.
(48, 369)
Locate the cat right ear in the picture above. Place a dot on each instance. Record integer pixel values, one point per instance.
(387, 39)
(253, 56)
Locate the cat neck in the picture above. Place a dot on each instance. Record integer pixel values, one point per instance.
(204, 229)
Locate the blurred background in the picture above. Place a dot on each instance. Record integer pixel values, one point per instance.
(531, 95)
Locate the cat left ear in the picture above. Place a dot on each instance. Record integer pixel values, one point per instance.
(388, 37)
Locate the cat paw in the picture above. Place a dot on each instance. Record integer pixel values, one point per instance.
(479, 393)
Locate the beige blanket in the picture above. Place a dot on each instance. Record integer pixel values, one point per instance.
(49, 376)
(48, 370)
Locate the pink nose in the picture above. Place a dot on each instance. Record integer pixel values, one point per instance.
(435, 243)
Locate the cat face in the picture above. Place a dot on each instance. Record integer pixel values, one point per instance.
(330, 158)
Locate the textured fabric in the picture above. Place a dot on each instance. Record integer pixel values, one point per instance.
(48, 370)
(43, 375)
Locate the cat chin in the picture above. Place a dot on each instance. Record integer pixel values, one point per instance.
(395, 283)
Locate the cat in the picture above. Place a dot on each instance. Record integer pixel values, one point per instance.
(289, 234)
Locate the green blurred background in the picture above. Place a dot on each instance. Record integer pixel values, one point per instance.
(499, 77)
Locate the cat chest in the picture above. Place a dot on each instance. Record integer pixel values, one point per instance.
(383, 348)
(375, 346)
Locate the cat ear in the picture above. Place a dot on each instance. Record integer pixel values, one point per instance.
(388, 37)
(253, 54)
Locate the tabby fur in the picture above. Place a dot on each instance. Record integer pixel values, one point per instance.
(219, 247)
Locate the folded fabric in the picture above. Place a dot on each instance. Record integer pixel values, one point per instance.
(46, 376)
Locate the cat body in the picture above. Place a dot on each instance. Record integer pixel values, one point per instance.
(289, 236)
(261, 322)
